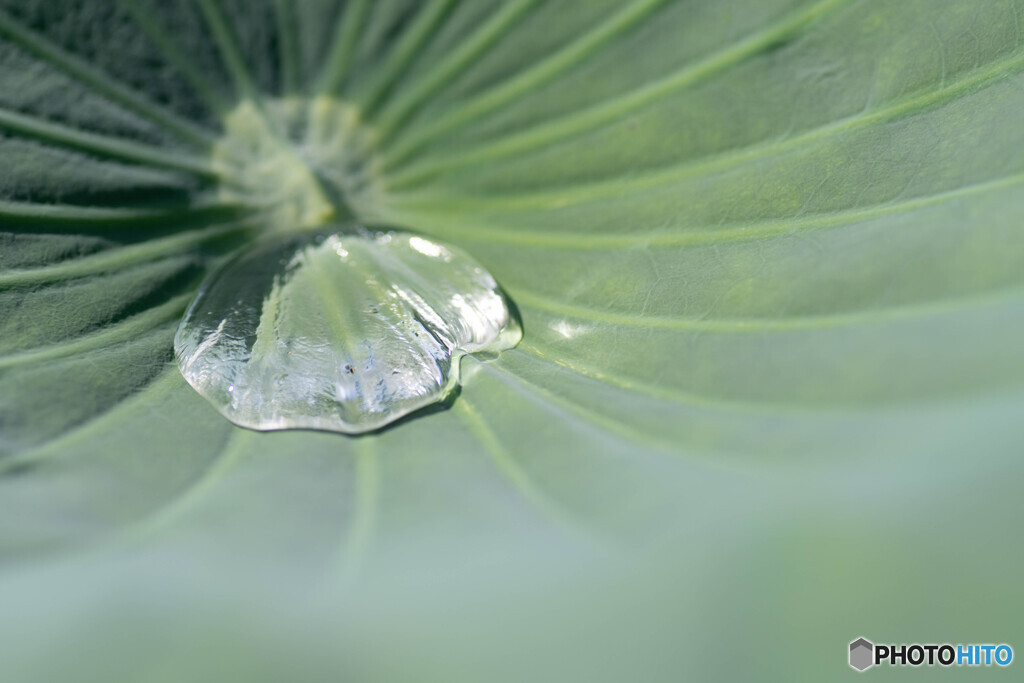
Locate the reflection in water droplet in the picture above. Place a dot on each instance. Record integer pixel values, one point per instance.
(341, 331)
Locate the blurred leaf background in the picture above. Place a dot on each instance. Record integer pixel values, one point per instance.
(768, 258)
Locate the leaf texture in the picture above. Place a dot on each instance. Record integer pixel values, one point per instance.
(769, 262)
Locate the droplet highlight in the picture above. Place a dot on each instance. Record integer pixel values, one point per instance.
(344, 330)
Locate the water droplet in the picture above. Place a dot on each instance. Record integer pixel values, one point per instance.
(344, 330)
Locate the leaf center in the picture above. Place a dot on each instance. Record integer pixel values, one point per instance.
(304, 163)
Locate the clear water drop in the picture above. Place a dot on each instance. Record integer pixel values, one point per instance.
(342, 330)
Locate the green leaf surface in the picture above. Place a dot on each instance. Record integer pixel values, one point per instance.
(769, 262)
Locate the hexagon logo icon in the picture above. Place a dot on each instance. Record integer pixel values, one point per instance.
(861, 654)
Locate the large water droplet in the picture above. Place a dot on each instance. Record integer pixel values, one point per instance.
(344, 331)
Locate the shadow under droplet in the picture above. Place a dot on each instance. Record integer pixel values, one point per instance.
(426, 411)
